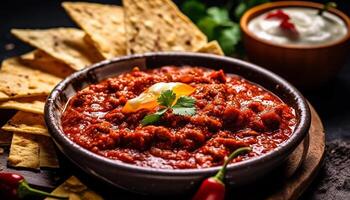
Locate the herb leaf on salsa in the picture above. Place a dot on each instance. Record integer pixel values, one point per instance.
(153, 118)
(185, 101)
(166, 98)
(184, 106)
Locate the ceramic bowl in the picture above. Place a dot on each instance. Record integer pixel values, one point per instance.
(165, 181)
(304, 66)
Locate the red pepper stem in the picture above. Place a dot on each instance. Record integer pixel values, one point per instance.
(221, 173)
(25, 190)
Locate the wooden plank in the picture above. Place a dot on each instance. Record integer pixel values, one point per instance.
(294, 186)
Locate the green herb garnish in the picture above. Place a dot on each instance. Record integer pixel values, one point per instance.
(166, 98)
(184, 106)
(153, 118)
(216, 22)
(326, 7)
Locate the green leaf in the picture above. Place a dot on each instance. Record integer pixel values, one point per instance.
(166, 98)
(228, 37)
(185, 101)
(153, 118)
(220, 15)
(184, 111)
(207, 26)
(150, 119)
(194, 9)
(184, 106)
(216, 17)
(240, 9)
(215, 22)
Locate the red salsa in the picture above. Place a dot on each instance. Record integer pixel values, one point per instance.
(231, 112)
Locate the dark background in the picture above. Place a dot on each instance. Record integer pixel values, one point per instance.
(332, 101)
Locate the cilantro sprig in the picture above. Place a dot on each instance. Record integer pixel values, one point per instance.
(220, 23)
(184, 106)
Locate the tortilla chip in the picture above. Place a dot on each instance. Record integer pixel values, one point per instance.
(212, 47)
(3, 95)
(5, 138)
(103, 24)
(64, 44)
(76, 190)
(25, 122)
(158, 25)
(26, 104)
(18, 80)
(48, 156)
(44, 62)
(24, 151)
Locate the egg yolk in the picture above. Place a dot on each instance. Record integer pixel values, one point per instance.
(148, 98)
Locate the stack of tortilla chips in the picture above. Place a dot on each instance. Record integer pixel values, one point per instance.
(24, 88)
(75, 190)
(107, 31)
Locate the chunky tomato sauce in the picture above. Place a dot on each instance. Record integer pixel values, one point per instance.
(231, 112)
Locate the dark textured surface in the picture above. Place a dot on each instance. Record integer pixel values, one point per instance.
(331, 101)
(333, 182)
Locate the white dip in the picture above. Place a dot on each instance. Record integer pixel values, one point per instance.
(312, 28)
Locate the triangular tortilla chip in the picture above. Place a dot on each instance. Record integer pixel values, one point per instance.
(46, 63)
(48, 156)
(76, 190)
(26, 104)
(103, 24)
(24, 151)
(18, 80)
(158, 25)
(212, 47)
(26, 123)
(64, 44)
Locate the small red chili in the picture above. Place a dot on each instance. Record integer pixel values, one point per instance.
(213, 188)
(288, 26)
(14, 186)
(279, 14)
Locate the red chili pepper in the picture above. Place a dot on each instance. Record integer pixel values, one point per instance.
(13, 186)
(288, 26)
(213, 188)
(279, 14)
(285, 24)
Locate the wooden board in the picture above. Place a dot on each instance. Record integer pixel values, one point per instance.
(285, 183)
(294, 186)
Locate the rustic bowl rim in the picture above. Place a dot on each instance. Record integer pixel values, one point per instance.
(298, 135)
(260, 9)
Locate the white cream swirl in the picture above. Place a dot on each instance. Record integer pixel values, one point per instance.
(313, 29)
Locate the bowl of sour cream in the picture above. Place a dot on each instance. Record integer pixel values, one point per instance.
(294, 40)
